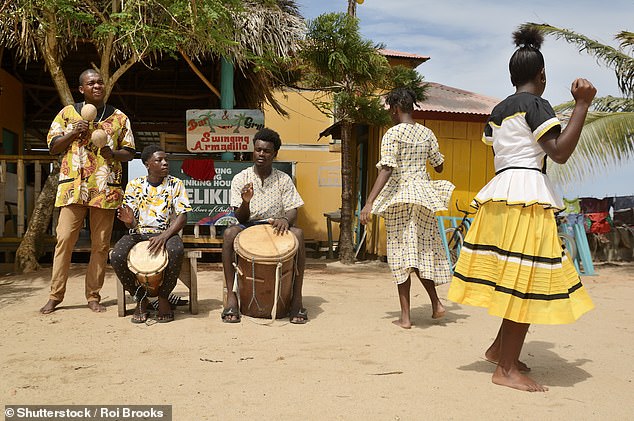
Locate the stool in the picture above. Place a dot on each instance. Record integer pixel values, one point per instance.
(330, 217)
(188, 276)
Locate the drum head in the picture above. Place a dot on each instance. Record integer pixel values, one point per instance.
(263, 244)
(141, 261)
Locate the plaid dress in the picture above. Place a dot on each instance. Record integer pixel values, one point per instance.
(408, 202)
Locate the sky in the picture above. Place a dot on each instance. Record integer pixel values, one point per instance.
(469, 42)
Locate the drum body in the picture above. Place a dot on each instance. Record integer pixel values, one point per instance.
(147, 267)
(263, 256)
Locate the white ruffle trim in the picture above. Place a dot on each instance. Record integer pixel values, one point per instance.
(520, 187)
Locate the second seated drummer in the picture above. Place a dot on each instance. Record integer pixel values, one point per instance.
(263, 193)
(155, 209)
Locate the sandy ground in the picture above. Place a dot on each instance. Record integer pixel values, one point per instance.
(348, 363)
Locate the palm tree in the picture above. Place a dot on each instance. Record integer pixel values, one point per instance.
(607, 138)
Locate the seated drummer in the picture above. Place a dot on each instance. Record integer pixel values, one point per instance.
(263, 193)
(154, 208)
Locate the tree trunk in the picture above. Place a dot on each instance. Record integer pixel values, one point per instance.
(352, 8)
(346, 249)
(30, 249)
(47, 42)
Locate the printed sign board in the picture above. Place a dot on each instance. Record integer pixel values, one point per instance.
(211, 199)
(222, 130)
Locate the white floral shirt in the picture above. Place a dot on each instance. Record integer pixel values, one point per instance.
(271, 198)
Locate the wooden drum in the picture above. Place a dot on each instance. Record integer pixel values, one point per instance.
(147, 267)
(264, 260)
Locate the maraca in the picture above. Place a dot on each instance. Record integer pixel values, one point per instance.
(99, 138)
(88, 112)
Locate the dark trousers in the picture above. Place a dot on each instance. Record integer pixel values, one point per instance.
(119, 261)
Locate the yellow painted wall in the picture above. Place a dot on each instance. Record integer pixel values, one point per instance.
(317, 170)
(11, 106)
(468, 161)
(304, 122)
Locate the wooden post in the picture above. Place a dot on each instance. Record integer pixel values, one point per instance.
(3, 182)
(226, 84)
(21, 205)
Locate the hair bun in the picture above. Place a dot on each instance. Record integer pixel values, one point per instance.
(528, 37)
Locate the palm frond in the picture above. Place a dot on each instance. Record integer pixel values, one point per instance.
(610, 104)
(626, 38)
(607, 104)
(606, 141)
(622, 63)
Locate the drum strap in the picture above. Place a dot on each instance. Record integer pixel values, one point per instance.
(278, 272)
(137, 291)
(253, 297)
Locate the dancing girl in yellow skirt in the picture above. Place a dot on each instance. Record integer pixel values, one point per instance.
(512, 261)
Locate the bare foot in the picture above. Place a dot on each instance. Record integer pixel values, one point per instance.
(402, 324)
(50, 306)
(96, 307)
(514, 379)
(439, 311)
(492, 357)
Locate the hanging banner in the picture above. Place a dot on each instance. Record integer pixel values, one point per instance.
(222, 130)
(211, 199)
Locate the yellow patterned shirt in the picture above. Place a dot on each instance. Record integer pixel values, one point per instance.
(85, 177)
(154, 207)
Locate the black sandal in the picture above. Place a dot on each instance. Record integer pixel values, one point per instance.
(299, 318)
(139, 318)
(228, 314)
(165, 318)
(141, 313)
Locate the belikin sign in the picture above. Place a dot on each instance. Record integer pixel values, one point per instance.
(211, 131)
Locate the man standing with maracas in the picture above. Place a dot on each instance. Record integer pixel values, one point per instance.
(94, 139)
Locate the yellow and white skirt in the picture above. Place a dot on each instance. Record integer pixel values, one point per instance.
(513, 264)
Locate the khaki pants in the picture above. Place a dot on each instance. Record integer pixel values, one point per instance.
(71, 219)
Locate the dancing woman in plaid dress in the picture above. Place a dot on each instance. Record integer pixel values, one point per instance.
(407, 198)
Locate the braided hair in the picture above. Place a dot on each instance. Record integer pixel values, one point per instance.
(404, 98)
(527, 61)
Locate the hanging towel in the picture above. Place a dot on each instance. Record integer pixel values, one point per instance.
(572, 205)
(593, 205)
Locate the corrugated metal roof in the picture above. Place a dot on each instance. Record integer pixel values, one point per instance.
(394, 53)
(443, 98)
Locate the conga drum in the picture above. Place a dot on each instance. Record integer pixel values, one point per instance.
(147, 267)
(266, 268)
